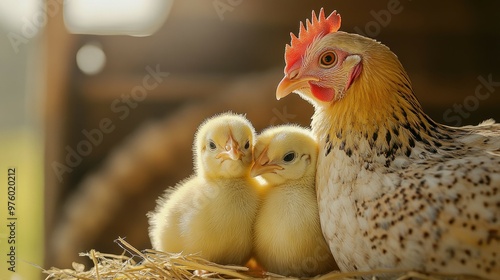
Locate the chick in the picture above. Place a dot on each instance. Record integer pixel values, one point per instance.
(213, 211)
(288, 238)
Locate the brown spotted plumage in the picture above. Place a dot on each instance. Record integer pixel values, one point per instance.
(396, 190)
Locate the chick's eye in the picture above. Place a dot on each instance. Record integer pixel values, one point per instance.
(212, 145)
(247, 145)
(290, 156)
(328, 59)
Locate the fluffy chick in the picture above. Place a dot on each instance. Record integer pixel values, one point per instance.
(213, 211)
(288, 238)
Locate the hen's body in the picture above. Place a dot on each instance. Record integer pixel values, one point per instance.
(396, 190)
(436, 210)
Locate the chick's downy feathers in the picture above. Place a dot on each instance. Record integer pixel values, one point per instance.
(288, 238)
(212, 213)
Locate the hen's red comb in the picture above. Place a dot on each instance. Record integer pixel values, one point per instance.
(319, 27)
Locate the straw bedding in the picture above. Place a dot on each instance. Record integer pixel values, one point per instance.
(151, 264)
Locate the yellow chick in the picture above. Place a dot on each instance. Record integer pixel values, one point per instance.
(288, 238)
(213, 211)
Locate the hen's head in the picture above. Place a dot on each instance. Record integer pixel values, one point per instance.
(223, 146)
(322, 63)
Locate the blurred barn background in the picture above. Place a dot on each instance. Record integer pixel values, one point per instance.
(111, 109)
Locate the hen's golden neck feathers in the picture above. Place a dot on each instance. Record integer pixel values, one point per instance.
(379, 107)
(380, 92)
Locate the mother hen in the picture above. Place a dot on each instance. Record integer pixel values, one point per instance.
(396, 190)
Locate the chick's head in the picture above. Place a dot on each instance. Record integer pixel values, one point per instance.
(223, 147)
(285, 153)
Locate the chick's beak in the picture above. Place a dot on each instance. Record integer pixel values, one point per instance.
(232, 150)
(291, 83)
(262, 165)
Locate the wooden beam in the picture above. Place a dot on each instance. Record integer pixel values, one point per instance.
(58, 49)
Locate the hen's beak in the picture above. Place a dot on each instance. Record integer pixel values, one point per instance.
(232, 150)
(262, 165)
(288, 85)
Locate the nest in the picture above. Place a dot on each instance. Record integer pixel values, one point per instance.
(151, 264)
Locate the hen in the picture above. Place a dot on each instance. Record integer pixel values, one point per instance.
(212, 213)
(396, 190)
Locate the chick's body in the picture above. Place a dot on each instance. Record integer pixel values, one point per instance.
(288, 238)
(212, 212)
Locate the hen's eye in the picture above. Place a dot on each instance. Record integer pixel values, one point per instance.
(328, 59)
(247, 145)
(289, 157)
(212, 145)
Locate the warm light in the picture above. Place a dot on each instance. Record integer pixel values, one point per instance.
(115, 17)
(90, 59)
(22, 16)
